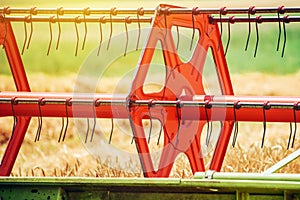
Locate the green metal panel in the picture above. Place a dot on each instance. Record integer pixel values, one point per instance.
(31, 193)
(235, 187)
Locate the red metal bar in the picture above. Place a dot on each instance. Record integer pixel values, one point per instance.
(7, 39)
(108, 106)
(180, 77)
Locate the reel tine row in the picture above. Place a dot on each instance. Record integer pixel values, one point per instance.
(207, 105)
(58, 16)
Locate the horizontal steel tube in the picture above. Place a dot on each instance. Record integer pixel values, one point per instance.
(78, 19)
(248, 176)
(260, 10)
(106, 19)
(261, 19)
(218, 108)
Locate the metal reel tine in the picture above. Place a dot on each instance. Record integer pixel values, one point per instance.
(193, 23)
(150, 118)
(112, 130)
(296, 108)
(166, 24)
(159, 134)
(51, 20)
(127, 21)
(95, 104)
(62, 129)
(251, 11)
(95, 120)
(5, 24)
(30, 34)
(77, 34)
(68, 103)
(285, 20)
(222, 12)
(209, 123)
(139, 13)
(87, 130)
(231, 20)
(101, 20)
(178, 106)
(280, 10)
(113, 11)
(258, 20)
(32, 12)
(161, 129)
(59, 12)
(290, 136)
(279, 32)
(40, 121)
(25, 35)
(86, 11)
(13, 102)
(178, 37)
(265, 107)
(236, 125)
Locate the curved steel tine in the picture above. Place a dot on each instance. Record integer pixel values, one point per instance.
(159, 134)
(86, 11)
(279, 28)
(128, 107)
(59, 12)
(32, 12)
(296, 108)
(40, 121)
(5, 10)
(112, 130)
(178, 106)
(231, 20)
(209, 123)
(127, 21)
(285, 20)
(161, 128)
(290, 136)
(249, 33)
(150, 118)
(113, 11)
(51, 20)
(26, 18)
(68, 103)
(178, 37)
(77, 20)
(222, 12)
(95, 120)
(12, 103)
(166, 24)
(236, 125)
(266, 106)
(101, 20)
(193, 23)
(62, 129)
(87, 130)
(139, 13)
(258, 20)
(251, 11)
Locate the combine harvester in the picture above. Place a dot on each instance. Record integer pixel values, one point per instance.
(181, 106)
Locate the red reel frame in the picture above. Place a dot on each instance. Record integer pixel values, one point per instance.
(7, 39)
(180, 77)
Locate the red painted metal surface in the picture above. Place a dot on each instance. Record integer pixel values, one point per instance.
(108, 106)
(180, 76)
(7, 39)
